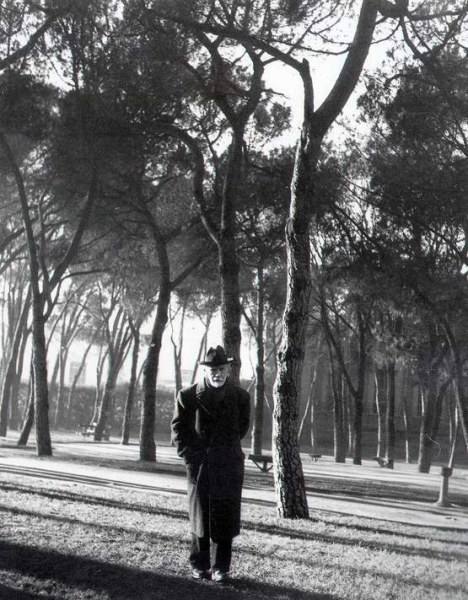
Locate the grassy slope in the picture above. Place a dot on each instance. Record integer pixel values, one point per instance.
(64, 541)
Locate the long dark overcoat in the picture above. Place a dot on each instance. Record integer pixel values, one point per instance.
(206, 429)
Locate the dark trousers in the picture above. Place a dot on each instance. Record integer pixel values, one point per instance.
(200, 553)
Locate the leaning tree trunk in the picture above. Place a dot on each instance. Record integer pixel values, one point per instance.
(131, 387)
(60, 398)
(150, 376)
(28, 420)
(41, 392)
(74, 383)
(107, 401)
(151, 365)
(15, 389)
(8, 380)
(201, 349)
(287, 465)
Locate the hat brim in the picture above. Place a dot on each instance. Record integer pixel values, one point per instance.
(206, 363)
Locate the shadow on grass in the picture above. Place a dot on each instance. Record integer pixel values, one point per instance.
(8, 593)
(265, 528)
(271, 529)
(126, 583)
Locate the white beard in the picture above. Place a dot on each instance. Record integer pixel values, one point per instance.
(217, 384)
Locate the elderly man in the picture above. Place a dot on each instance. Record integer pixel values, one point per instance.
(209, 422)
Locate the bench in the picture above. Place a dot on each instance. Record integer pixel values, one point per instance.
(315, 457)
(91, 429)
(384, 462)
(263, 462)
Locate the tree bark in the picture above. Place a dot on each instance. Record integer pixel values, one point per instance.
(287, 466)
(9, 376)
(339, 436)
(257, 429)
(358, 395)
(390, 416)
(106, 402)
(201, 348)
(229, 267)
(117, 342)
(28, 420)
(131, 386)
(15, 389)
(150, 372)
(381, 408)
(151, 364)
(404, 402)
(74, 383)
(459, 388)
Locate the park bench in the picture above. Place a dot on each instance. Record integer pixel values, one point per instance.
(315, 457)
(89, 430)
(263, 462)
(384, 462)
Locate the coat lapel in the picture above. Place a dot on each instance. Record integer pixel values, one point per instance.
(202, 397)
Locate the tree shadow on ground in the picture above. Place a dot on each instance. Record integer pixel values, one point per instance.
(121, 582)
(369, 526)
(8, 593)
(390, 545)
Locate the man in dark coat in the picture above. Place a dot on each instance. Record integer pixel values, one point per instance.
(210, 419)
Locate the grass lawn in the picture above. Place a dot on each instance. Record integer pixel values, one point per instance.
(62, 540)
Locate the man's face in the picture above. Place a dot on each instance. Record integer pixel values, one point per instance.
(217, 376)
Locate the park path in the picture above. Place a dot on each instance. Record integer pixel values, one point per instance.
(78, 461)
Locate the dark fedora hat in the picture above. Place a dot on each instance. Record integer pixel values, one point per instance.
(215, 357)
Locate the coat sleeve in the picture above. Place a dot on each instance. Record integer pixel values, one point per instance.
(183, 434)
(244, 413)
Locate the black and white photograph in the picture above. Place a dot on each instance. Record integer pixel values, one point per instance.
(234, 299)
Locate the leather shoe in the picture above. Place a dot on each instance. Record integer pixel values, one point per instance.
(220, 576)
(199, 574)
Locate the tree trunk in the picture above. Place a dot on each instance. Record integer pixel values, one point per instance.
(404, 403)
(425, 443)
(60, 398)
(287, 466)
(150, 375)
(177, 345)
(53, 385)
(310, 403)
(201, 349)
(390, 416)
(228, 260)
(459, 388)
(8, 380)
(381, 408)
(74, 383)
(257, 430)
(453, 445)
(41, 392)
(358, 395)
(15, 397)
(131, 387)
(107, 401)
(28, 420)
(339, 431)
